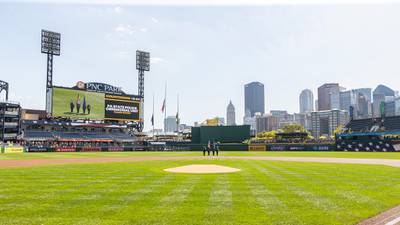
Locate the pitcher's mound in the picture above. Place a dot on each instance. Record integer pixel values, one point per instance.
(202, 168)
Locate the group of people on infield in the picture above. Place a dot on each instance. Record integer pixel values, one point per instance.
(212, 146)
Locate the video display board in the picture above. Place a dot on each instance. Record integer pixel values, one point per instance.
(121, 108)
(81, 104)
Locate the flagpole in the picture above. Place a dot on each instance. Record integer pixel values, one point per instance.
(153, 117)
(165, 109)
(177, 114)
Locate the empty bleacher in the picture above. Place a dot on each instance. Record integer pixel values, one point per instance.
(36, 134)
(391, 123)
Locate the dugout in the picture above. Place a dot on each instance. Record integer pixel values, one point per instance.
(223, 134)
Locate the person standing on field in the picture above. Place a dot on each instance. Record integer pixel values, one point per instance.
(78, 104)
(217, 147)
(213, 147)
(204, 150)
(84, 105)
(209, 147)
(72, 106)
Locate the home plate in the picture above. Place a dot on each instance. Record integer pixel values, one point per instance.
(202, 168)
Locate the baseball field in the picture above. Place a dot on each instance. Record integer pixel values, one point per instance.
(134, 189)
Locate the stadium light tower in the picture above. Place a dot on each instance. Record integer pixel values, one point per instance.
(50, 46)
(142, 64)
(4, 87)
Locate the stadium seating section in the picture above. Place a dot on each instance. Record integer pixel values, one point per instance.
(75, 135)
(364, 125)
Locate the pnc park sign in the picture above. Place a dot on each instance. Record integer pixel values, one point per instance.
(100, 87)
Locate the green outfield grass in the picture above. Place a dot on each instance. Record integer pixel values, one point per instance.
(379, 155)
(264, 192)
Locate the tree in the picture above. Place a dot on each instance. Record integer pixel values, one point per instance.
(267, 134)
(291, 128)
(338, 130)
(323, 138)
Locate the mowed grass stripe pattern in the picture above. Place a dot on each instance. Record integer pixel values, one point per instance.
(264, 192)
(55, 155)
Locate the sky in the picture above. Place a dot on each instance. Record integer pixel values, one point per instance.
(204, 53)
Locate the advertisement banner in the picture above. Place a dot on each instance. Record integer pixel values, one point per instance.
(91, 149)
(65, 149)
(115, 149)
(8, 149)
(257, 147)
(38, 149)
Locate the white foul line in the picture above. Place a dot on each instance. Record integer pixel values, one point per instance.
(393, 222)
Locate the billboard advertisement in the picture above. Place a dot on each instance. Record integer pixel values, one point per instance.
(82, 104)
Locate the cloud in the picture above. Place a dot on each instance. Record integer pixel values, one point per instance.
(127, 29)
(155, 20)
(117, 10)
(157, 60)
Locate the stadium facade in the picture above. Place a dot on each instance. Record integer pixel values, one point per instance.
(86, 117)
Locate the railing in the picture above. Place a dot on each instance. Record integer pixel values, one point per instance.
(11, 113)
(10, 124)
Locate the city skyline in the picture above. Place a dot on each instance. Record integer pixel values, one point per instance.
(287, 48)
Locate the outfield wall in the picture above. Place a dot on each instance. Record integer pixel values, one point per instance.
(176, 146)
(223, 134)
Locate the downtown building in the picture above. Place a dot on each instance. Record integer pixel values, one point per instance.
(324, 123)
(360, 102)
(303, 119)
(381, 94)
(363, 103)
(306, 101)
(171, 124)
(284, 118)
(254, 98)
(392, 107)
(329, 96)
(230, 114)
(266, 122)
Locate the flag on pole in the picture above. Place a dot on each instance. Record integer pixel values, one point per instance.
(177, 118)
(163, 106)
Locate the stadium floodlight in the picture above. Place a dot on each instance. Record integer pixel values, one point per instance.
(142, 60)
(51, 42)
(142, 64)
(4, 86)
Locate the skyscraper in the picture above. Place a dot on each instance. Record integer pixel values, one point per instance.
(347, 99)
(170, 124)
(364, 103)
(380, 94)
(230, 114)
(328, 96)
(254, 99)
(306, 100)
